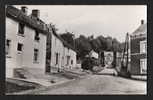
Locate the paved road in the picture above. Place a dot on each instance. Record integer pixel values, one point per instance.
(99, 84)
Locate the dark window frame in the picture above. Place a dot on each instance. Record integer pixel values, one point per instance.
(71, 62)
(7, 47)
(56, 55)
(21, 29)
(37, 38)
(20, 47)
(68, 60)
(36, 55)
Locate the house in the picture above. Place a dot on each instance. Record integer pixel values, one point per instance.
(93, 54)
(138, 50)
(62, 55)
(25, 39)
(69, 56)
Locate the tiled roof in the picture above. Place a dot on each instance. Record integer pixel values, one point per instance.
(142, 29)
(30, 21)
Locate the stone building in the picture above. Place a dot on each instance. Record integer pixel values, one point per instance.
(25, 39)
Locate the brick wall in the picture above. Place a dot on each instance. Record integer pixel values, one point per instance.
(136, 56)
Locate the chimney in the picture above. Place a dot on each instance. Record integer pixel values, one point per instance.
(36, 13)
(142, 22)
(24, 9)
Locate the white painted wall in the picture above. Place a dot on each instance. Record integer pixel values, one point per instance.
(28, 48)
(73, 57)
(72, 54)
(57, 47)
(29, 44)
(11, 33)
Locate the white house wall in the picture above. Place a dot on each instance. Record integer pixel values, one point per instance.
(73, 57)
(72, 54)
(57, 47)
(11, 30)
(28, 48)
(63, 51)
(29, 44)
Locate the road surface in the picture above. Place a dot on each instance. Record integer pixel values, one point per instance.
(99, 84)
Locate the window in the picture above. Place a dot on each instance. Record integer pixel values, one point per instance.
(71, 62)
(7, 47)
(56, 55)
(21, 28)
(37, 35)
(36, 55)
(143, 46)
(143, 66)
(68, 59)
(20, 47)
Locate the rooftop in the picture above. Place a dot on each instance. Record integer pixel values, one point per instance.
(142, 29)
(30, 21)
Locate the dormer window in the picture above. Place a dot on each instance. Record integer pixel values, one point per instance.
(37, 38)
(21, 28)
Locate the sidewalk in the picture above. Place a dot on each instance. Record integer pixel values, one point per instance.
(139, 77)
(53, 78)
(61, 80)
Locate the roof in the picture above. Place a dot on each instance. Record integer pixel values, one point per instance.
(142, 29)
(63, 41)
(30, 21)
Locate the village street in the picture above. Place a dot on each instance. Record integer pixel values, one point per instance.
(86, 55)
(98, 84)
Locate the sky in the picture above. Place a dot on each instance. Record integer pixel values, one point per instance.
(106, 20)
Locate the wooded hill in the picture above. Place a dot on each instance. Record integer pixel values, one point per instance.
(85, 44)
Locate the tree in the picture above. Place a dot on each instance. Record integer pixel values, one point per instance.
(115, 45)
(109, 43)
(68, 37)
(83, 46)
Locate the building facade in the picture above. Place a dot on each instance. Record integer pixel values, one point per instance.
(93, 54)
(69, 57)
(62, 55)
(25, 39)
(138, 50)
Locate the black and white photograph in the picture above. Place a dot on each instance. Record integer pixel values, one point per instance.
(76, 49)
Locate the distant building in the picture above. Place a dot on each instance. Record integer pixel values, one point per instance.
(138, 49)
(25, 39)
(93, 54)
